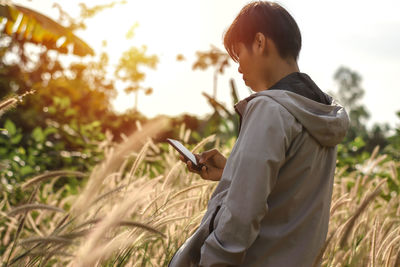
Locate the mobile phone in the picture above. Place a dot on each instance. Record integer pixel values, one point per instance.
(185, 153)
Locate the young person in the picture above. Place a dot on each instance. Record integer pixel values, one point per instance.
(271, 205)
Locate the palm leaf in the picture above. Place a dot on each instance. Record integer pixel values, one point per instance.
(28, 25)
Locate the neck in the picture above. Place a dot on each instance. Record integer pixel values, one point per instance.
(280, 69)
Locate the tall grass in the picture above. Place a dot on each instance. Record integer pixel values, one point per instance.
(121, 216)
(364, 228)
(131, 212)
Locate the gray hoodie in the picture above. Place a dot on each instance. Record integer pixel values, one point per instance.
(271, 206)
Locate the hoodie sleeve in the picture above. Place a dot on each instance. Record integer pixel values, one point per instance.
(266, 133)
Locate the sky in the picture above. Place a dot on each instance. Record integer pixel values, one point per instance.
(362, 35)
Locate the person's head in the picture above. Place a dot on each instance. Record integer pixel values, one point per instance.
(264, 34)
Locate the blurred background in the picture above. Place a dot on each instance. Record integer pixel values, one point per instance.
(85, 69)
(360, 35)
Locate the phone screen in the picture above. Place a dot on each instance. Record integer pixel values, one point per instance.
(183, 150)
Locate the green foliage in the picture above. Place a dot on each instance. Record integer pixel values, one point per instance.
(360, 141)
(393, 147)
(46, 149)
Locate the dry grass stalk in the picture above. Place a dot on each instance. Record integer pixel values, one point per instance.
(21, 225)
(45, 240)
(179, 202)
(387, 262)
(388, 237)
(373, 245)
(173, 219)
(141, 225)
(189, 189)
(29, 207)
(393, 173)
(360, 227)
(33, 225)
(357, 213)
(138, 160)
(170, 175)
(397, 262)
(391, 244)
(50, 174)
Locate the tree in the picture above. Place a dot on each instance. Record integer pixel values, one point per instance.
(212, 58)
(129, 70)
(58, 126)
(349, 95)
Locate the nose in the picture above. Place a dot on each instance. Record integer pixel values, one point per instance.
(240, 70)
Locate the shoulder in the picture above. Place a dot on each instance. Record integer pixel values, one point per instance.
(266, 106)
(262, 112)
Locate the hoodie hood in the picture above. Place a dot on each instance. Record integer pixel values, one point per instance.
(328, 124)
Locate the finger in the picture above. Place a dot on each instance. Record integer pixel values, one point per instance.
(208, 154)
(182, 158)
(204, 173)
(190, 167)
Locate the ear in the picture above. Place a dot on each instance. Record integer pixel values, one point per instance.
(259, 43)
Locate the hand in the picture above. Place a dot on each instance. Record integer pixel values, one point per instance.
(214, 164)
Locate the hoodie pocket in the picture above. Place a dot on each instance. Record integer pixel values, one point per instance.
(211, 225)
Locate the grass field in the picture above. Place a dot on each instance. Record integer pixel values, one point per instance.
(137, 208)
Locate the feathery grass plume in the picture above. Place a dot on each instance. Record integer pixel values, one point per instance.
(141, 225)
(108, 194)
(392, 244)
(170, 174)
(210, 138)
(7, 104)
(154, 200)
(393, 173)
(357, 213)
(29, 207)
(388, 237)
(50, 174)
(138, 160)
(114, 160)
(111, 220)
(11, 102)
(339, 202)
(354, 190)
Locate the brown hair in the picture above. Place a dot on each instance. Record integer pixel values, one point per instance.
(269, 18)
